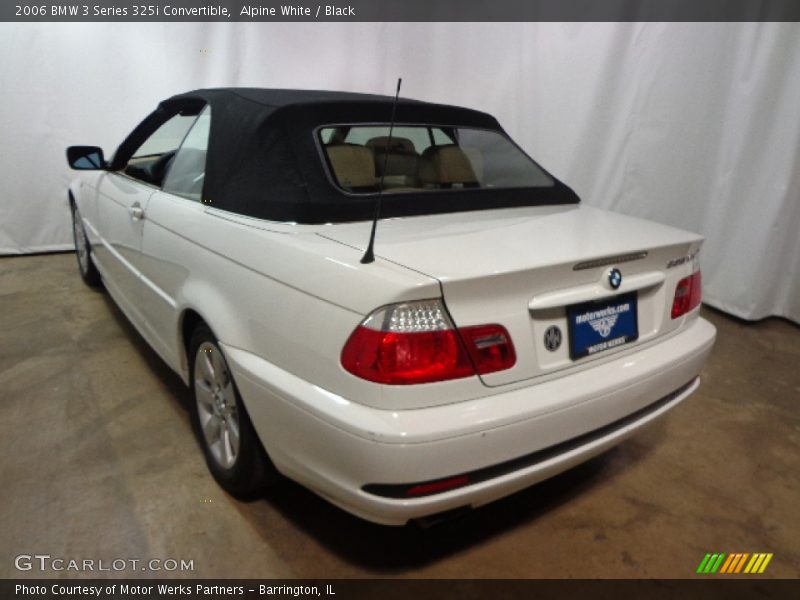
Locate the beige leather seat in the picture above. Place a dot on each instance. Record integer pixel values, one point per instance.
(353, 166)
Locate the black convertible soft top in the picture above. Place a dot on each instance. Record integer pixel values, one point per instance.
(264, 158)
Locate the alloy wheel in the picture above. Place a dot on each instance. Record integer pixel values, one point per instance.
(216, 405)
(81, 245)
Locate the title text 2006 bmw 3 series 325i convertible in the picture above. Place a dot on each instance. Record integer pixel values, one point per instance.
(502, 334)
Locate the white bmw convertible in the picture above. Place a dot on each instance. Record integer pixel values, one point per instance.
(488, 333)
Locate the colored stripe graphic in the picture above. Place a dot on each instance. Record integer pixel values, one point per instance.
(755, 562)
(764, 564)
(716, 565)
(703, 563)
(734, 563)
(711, 563)
(739, 567)
(727, 564)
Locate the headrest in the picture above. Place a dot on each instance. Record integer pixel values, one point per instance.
(446, 165)
(399, 145)
(353, 165)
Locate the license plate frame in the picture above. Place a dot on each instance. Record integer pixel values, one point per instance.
(587, 323)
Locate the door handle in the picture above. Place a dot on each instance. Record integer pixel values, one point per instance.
(136, 212)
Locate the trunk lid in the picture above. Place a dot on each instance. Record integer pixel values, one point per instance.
(525, 267)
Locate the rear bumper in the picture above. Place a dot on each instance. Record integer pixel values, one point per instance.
(336, 447)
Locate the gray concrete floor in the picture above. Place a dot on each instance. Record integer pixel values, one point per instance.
(99, 462)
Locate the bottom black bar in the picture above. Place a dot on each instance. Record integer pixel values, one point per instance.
(714, 586)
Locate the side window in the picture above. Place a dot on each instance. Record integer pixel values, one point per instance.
(167, 137)
(188, 169)
(440, 138)
(150, 161)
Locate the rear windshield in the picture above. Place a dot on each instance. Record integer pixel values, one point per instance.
(426, 158)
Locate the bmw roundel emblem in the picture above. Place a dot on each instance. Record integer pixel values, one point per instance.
(552, 338)
(614, 279)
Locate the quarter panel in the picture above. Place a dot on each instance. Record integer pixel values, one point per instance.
(288, 296)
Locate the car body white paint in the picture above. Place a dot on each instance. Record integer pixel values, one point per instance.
(283, 298)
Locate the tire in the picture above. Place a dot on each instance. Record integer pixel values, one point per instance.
(83, 251)
(239, 463)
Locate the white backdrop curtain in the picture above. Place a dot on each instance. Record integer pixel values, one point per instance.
(696, 125)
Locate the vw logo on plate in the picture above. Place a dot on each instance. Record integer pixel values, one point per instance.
(614, 279)
(552, 338)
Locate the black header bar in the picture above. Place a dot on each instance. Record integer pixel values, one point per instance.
(399, 10)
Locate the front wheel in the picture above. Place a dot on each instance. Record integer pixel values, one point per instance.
(83, 251)
(233, 452)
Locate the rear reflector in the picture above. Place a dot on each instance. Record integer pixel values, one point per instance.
(437, 487)
(415, 342)
(688, 295)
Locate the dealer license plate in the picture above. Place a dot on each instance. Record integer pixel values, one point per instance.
(601, 325)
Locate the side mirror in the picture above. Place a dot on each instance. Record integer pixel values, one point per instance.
(86, 158)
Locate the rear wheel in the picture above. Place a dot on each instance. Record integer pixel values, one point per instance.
(83, 251)
(233, 452)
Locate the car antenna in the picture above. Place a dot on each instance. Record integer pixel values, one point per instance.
(369, 255)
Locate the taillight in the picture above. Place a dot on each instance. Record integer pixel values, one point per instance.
(490, 347)
(688, 295)
(415, 342)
